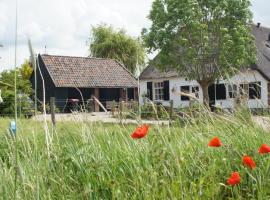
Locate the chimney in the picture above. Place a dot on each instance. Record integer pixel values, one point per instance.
(258, 25)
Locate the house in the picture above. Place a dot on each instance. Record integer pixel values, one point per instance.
(79, 78)
(163, 86)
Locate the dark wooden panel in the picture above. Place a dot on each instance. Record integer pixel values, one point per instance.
(166, 90)
(150, 90)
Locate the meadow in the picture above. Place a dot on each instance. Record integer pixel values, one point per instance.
(101, 161)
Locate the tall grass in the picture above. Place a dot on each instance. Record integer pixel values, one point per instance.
(101, 161)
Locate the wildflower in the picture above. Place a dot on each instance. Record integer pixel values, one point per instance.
(249, 162)
(264, 149)
(215, 142)
(234, 179)
(140, 132)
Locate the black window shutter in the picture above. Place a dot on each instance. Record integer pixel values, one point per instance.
(166, 92)
(220, 92)
(150, 90)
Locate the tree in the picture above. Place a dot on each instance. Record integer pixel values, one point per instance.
(109, 43)
(23, 88)
(203, 39)
(26, 70)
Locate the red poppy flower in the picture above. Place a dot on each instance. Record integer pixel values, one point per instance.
(234, 179)
(249, 162)
(215, 142)
(264, 149)
(140, 132)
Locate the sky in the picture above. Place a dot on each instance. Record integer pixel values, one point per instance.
(64, 26)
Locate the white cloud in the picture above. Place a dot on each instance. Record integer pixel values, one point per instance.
(64, 25)
(261, 12)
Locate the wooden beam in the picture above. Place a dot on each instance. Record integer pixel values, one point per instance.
(123, 94)
(136, 94)
(99, 103)
(96, 95)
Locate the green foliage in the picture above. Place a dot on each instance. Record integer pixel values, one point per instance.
(203, 40)
(26, 70)
(101, 161)
(149, 111)
(24, 90)
(107, 42)
(48, 108)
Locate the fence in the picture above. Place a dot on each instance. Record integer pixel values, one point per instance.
(60, 106)
(122, 109)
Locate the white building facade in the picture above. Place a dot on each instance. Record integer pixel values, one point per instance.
(224, 93)
(252, 85)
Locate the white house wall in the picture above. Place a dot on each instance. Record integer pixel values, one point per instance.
(142, 90)
(246, 77)
(175, 84)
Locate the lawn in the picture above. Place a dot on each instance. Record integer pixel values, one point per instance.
(102, 161)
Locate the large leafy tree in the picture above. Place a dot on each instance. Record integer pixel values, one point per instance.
(203, 39)
(23, 88)
(107, 42)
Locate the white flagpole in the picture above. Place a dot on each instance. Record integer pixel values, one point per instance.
(13, 124)
(15, 62)
(138, 77)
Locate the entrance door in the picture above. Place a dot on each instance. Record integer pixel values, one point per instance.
(212, 96)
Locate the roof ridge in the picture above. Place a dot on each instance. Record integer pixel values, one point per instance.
(261, 26)
(85, 57)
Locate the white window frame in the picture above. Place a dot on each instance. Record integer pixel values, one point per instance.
(159, 88)
(232, 88)
(244, 92)
(197, 95)
(257, 83)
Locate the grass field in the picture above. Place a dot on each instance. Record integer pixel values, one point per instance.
(102, 161)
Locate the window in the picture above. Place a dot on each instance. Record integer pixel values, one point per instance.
(243, 90)
(220, 92)
(255, 90)
(184, 89)
(232, 90)
(195, 90)
(158, 91)
(251, 90)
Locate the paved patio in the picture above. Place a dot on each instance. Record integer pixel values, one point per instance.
(95, 117)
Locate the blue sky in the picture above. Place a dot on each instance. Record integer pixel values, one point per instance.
(64, 25)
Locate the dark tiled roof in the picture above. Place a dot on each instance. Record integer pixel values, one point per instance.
(262, 65)
(152, 72)
(263, 50)
(86, 72)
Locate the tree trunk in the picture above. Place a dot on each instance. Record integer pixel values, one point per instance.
(204, 85)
